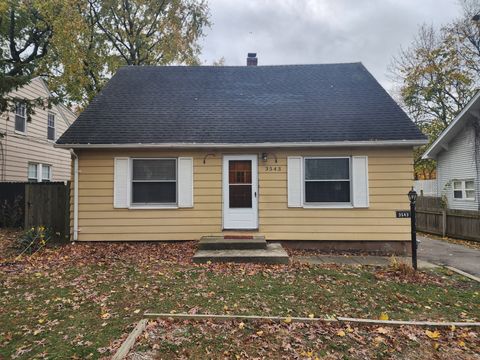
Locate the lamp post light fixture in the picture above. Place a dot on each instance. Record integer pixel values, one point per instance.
(412, 196)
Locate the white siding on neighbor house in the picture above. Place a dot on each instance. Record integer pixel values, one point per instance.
(458, 163)
(18, 150)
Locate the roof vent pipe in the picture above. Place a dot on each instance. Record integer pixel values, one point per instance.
(252, 59)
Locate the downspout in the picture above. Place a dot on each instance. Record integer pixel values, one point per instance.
(75, 195)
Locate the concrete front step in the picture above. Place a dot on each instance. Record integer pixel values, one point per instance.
(273, 254)
(232, 243)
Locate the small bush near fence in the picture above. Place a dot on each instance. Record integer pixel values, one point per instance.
(33, 240)
(434, 218)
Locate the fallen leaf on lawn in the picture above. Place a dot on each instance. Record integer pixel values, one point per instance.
(436, 346)
(106, 316)
(412, 337)
(341, 333)
(260, 333)
(432, 334)
(241, 325)
(287, 320)
(311, 316)
(41, 321)
(382, 330)
(136, 311)
(383, 316)
(452, 328)
(461, 343)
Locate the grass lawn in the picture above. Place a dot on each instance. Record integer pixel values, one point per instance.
(81, 300)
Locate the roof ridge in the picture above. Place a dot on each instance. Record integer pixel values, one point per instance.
(236, 66)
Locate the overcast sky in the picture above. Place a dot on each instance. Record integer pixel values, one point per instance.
(319, 31)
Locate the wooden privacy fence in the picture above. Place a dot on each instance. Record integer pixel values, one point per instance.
(48, 204)
(33, 204)
(433, 218)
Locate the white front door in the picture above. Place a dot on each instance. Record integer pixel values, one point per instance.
(240, 192)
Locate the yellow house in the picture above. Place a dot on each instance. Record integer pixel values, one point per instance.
(310, 155)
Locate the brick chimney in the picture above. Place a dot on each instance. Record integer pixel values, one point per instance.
(252, 59)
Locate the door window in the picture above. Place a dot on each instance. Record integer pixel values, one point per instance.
(240, 183)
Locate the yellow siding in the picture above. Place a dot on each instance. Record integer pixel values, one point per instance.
(390, 178)
(18, 150)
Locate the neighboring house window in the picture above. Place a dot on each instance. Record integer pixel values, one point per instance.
(33, 172)
(46, 172)
(51, 127)
(464, 189)
(154, 181)
(327, 180)
(20, 118)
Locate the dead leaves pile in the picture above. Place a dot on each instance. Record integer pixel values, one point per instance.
(186, 339)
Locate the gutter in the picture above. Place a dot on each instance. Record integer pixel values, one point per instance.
(75, 195)
(246, 145)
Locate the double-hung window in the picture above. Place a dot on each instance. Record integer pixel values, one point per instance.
(464, 189)
(327, 180)
(39, 172)
(32, 172)
(154, 182)
(46, 172)
(20, 118)
(51, 127)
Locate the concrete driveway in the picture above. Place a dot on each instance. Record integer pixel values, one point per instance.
(445, 253)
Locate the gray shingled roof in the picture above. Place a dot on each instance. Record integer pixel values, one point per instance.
(235, 105)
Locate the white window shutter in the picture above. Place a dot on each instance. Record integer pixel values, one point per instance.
(121, 182)
(185, 182)
(360, 181)
(295, 180)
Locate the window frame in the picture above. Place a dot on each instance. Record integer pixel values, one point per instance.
(29, 179)
(463, 189)
(49, 173)
(347, 204)
(24, 116)
(51, 127)
(133, 205)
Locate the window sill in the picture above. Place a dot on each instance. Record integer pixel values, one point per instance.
(152, 207)
(328, 206)
(18, 132)
(456, 199)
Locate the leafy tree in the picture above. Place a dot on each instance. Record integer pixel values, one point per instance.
(152, 32)
(112, 33)
(438, 74)
(80, 61)
(25, 37)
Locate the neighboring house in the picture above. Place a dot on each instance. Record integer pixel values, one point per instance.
(27, 151)
(457, 152)
(294, 152)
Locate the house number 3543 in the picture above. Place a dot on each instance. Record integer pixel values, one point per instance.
(273, 168)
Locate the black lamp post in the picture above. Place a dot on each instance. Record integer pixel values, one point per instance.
(412, 196)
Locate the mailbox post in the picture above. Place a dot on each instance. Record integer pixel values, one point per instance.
(412, 196)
